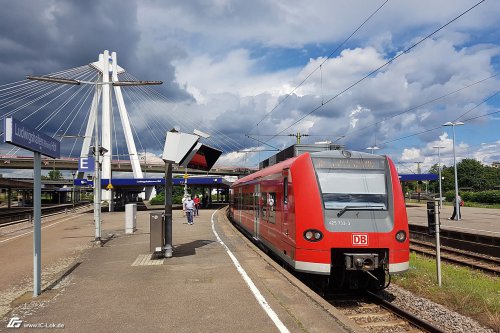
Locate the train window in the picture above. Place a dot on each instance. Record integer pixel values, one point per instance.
(363, 188)
(263, 206)
(271, 203)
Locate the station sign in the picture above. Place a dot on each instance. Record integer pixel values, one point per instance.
(23, 136)
(86, 164)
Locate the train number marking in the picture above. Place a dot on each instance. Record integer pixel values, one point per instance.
(360, 239)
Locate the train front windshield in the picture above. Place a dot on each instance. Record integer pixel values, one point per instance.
(352, 183)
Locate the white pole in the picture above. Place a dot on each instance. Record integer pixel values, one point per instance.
(37, 224)
(438, 242)
(440, 177)
(106, 123)
(97, 181)
(457, 207)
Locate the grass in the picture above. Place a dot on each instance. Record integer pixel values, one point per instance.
(467, 291)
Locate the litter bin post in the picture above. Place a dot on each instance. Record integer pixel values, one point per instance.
(156, 232)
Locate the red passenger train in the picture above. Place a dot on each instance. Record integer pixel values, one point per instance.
(337, 214)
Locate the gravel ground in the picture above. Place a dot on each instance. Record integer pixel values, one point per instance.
(437, 314)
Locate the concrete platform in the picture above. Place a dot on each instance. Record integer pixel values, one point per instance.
(480, 221)
(118, 288)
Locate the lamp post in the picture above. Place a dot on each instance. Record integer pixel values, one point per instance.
(98, 150)
(457, 207)
(439, 171)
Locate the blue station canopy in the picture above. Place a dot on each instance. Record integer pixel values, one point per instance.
(418, 177)
(152, 181)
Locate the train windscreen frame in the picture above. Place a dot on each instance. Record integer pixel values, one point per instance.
(357, 183)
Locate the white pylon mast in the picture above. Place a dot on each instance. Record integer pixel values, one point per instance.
(109, 69)
(106, 122)
(127, 131)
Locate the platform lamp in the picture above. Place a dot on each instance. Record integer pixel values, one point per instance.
(457, 207)
(100, 150)
(181, 149)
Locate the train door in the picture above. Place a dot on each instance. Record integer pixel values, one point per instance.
(287, 225)
(284, 215)
(240, 203)
(256, 210)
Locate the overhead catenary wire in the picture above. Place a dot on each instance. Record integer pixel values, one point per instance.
(440, 126)
(404, 52)
(186, 121)
(416, 107)
(314, 71)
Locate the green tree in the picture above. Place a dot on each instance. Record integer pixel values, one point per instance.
(53, 175)
(471, 174)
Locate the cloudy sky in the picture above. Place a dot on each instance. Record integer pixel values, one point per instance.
(267, 69)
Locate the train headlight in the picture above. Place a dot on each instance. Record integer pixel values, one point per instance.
(312, 235)
(401, 236)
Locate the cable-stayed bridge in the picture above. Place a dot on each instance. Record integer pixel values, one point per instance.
(101, 105)
(156, 167)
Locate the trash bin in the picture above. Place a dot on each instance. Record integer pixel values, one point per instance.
(156, 232)
(130, 218)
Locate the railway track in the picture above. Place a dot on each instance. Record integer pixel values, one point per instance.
(374, 314)
(26, 214)
(466, 258)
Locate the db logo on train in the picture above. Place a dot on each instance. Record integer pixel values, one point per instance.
(360, 239)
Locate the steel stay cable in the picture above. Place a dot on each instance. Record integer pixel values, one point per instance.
(59, 87)
(84, 98)
(51, 74)
(138, 97)
(153, 92)
(79, 133)
(26, 86)
(156, 106)
(35, 100)
(58, 109)
(80, 103)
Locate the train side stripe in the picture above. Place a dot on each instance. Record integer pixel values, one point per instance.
(257, 294)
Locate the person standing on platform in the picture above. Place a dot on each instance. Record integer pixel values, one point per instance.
(184, 198)
(196, 205)
(189, 209)
(460, 203)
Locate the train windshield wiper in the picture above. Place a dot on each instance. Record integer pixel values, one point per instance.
(365, 207)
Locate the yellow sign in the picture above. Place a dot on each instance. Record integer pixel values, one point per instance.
(185, 176)
(109, 187)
